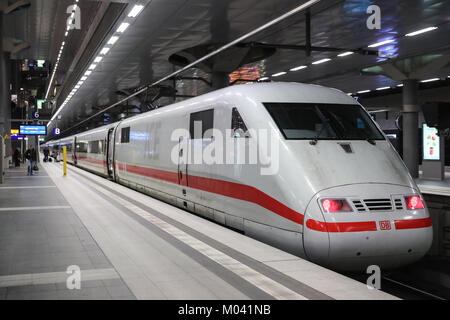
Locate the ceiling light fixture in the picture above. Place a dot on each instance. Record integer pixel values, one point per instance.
(382, 88)
(123, 27)
(321, 61)
(104, 51)
(430, 80)
(98, 59)
(380, 43)
(415, 33)
(112, 40)
(135, 11)
(363, 91)
(278, 74)
(298, 68)
(345, 54)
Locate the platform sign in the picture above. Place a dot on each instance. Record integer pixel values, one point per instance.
(33, 130)
(431, 143)
(57, 131)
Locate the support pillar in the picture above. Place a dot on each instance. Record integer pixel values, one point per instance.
(5, 104)
(411, 110)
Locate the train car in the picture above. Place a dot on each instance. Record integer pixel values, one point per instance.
(91, 150)
(332, 188)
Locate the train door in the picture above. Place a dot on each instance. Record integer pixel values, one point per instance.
(110, 153)
(74, 151)
(182, 161)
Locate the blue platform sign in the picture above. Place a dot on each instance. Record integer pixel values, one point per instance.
(33, 130)
(57, 131)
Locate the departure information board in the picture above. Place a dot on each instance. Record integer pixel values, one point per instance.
(33, 130)
(431, 142)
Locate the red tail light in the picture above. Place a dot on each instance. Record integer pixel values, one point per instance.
(335, 205)
(414, 202)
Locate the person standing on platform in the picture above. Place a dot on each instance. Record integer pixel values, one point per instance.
(31, 157)
(16, 157)
(46, 153)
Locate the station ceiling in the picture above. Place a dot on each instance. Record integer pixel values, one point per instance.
(164, 27)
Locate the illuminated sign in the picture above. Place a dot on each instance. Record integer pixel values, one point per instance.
(40, 102)
(14, 131)
(431, 144)
(33, 130)
(40, 63)
(57, 131)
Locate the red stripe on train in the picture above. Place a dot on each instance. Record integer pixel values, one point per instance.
(412, 224)
(341, 226)
(224, 188)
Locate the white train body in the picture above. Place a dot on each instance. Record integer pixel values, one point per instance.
(286, 209)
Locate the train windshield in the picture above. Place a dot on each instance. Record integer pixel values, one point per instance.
(323, 121)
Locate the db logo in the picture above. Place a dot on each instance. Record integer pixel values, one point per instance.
(385, 225)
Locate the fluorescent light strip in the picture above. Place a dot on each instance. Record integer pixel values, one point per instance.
(298, 68)
(263, 78)
(105, 50)
(92, 66)
(135, 11)
(363, 91)
(321, 61)
(123, 27)
(400, 85)
(430, 80)
(345, 54)
(112, 40)
(415, 33)
(278, 74)
(98, 59)
(88, 73)
(380, 43)
(382, 88)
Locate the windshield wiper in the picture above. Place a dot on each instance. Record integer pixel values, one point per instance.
(314, 141)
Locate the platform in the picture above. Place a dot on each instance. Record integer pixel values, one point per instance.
(441, 188)
(131, 246)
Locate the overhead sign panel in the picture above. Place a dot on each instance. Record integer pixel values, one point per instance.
(33, 130)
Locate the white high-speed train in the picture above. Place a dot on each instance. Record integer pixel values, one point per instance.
(339, 195)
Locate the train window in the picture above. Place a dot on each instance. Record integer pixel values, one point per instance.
(94, 146)
(237, 124)
(206, 120)
(323, 121)
(125, 135)
(82, 146)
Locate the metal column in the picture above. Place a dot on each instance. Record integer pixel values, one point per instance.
(411, 110)
(5, 104)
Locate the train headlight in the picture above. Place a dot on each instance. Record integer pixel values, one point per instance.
(414, 202)
(335, 205)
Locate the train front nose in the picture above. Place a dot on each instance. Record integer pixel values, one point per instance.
(351, 227)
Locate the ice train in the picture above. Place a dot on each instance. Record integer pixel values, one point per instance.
(340, 195)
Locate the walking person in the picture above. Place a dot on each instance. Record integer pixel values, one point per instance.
(31, 157)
